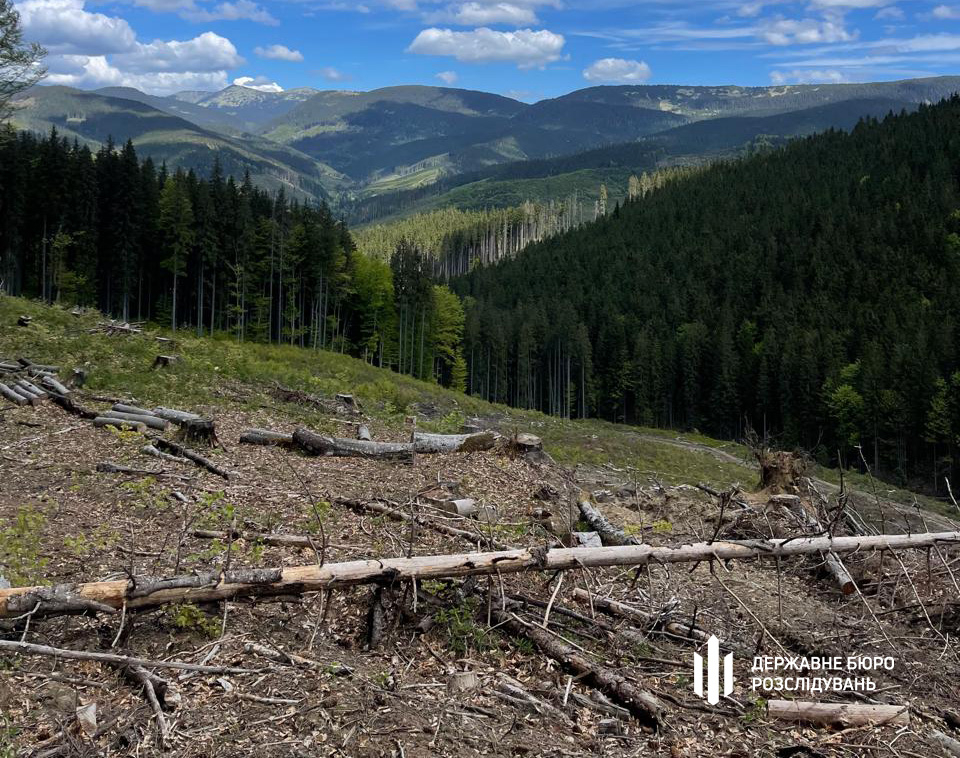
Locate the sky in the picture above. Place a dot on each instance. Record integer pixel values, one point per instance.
(526, 49)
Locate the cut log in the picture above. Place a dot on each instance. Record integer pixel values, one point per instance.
(20, 389)
(67, 403)
(121, 408)
(185, 452)
(14, 397)
(44, 367)
(318, 444)
(460, 682)
(108, 467)
(146, 592)
(609, 534)
(118, 423)
(153, 451)
(177, 417)
(363, 433)
(463, 507)
(643, 704)
(794, 505)
(152, 422)
(639, 617)
(32, 388)
(54, 385)
(949, 745)
(266, 538)
(839, 714)
(452, 443)
(266, 438)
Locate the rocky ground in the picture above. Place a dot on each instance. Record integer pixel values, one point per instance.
(441, 677)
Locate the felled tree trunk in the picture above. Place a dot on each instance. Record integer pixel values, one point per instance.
(452, 443)
(185, 452)
(152, 422)
(146, 592)
(643, 704)
(266, 438)
(175, 416)
(834, 565)
(642, 618)
(839, 714)
(609, 534)
(318, 444)
(13, 397)
(118, 423)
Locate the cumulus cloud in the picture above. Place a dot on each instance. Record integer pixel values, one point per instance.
(241, 10)
(260, 83)
(525, 47)
(278, 53)
(448, 77)
(808, 76)
(617, 70)
(65, 27)
(947, 12)
(207, 52)
(96, 71)
(481, 14)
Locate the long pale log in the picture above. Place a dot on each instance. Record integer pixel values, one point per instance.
(122, 408)
(185, 452)
(151, 422)
(25, 394)
(146, 592)
(644, 619)
(452, 443)
(119, 423)
(318, 444)
(609, 534)
(53, 384)
(266, 438)
(643, 704)
(177, 417)
(839, 714)
(949, 744)
(32, 388)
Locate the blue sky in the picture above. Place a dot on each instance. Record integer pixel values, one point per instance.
(529, 49)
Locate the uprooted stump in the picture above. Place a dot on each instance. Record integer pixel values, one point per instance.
(780, 471)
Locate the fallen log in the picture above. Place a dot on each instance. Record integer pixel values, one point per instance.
(185, 452)
(609, 534)
(118, 423)
(452, 443)
(13, 397)
(643, 704)
(122, 408)
(146, 592)
(32, 388)
(53, 384)
(151, 450)
(318, 444)
(949, 745)
(642, 618)
(151, 422)
(109, 467)
(793, 505)
(396, 515)
(839, 714)
(173, 415)
(67, 403)
(266, 438)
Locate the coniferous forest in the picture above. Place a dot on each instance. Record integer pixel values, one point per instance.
(812, 294)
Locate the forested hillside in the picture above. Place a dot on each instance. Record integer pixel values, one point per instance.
(213, 255)
(811, 293)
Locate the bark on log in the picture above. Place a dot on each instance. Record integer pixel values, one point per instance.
(644, 705)
(151, 450)
(609, 534)
(119, 423)
(834, 565)
(318, 444)
(839, 714)
(53, 384)
(177, 417)
(145, 592)
(12, 396)
(949, 745)
(642, 618)
(121, 408)
(363, 433)
(67, 403)
(452, 443)
(33, 388)
(266, 438)
(185, 452)
(151, 422)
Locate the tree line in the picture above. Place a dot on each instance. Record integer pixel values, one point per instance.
(212, 254)
(811, 293)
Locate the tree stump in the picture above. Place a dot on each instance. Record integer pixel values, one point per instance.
(200, 430)
(164, 361)
(24, 321)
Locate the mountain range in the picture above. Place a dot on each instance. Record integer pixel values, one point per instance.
(353, 146)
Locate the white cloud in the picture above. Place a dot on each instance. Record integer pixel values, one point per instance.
(207, 52)
(525, 47)
(332, 74)
(278, 53)
(448, 77)
(890, 13)
(617, 70)
(241, 10)
(95, 71)
(63, 26)
(843, 4)
(260, 83)
(808, 76)
(947, 12)
(483, 13)
(804, 32)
